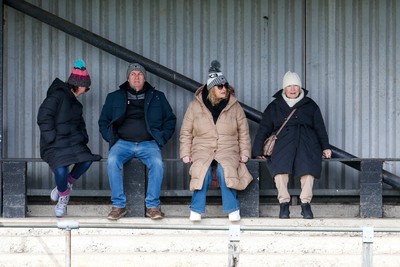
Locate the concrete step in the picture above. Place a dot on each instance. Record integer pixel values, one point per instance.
(215, 211)
(36, 241)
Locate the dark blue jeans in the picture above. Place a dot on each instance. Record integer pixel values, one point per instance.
(149, 154)
(61, 174)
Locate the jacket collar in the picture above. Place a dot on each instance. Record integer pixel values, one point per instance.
(279, 93)
(198, 96)
(279, 98)
(125, 86)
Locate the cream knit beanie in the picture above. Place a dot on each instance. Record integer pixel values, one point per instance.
(291, 78)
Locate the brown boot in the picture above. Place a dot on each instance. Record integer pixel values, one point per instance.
(116, 213)
(154, 213)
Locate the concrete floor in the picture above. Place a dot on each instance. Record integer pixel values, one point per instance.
(175, 241)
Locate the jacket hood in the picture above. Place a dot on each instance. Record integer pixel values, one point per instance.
(56, 84)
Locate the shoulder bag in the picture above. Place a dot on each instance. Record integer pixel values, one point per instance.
(269, 143)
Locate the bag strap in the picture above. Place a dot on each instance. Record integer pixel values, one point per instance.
(284, 123)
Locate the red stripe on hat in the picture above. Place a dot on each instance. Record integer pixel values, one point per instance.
(79, 77)
(80, 72)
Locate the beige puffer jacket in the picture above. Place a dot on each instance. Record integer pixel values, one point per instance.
(224, 141)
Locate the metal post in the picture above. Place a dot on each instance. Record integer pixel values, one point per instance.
(368, 239)
(68, 247)
(234, 247)
(68, 226)
(2, 144)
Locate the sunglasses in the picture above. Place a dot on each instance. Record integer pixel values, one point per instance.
(87, 89)
(221, 86)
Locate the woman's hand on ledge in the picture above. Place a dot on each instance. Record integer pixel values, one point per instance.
(327, 153)
(243, 158)
(187, 159)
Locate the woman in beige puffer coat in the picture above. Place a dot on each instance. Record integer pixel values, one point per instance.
(215, 133)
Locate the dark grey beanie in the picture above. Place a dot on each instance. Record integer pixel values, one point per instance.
(135, 66)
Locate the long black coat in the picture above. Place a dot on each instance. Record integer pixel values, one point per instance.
(63, 136)
(298, 149)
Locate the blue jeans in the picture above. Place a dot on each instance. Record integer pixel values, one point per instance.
(229, 200)
(149, 154)
(61, 174)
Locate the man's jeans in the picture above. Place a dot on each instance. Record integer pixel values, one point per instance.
(149, 154)
(229, 200)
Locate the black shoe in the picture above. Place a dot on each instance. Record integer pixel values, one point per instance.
(284, 210)
(306, 211)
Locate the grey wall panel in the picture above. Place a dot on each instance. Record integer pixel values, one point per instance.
(345, 51)
(351, 51)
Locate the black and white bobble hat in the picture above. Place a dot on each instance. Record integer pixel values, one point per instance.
(215, 76)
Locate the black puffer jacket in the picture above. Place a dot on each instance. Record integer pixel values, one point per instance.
(298, 149)
(63, 135)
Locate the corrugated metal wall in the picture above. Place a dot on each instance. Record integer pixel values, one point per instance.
(352, 56)
(345, 51)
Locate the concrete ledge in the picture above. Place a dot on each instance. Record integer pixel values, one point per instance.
(321, 211)
(51, 222)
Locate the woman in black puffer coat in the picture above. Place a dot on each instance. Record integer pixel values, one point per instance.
(300, 145)
(63, 135)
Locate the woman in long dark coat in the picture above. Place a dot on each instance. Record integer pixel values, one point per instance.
(300, 145)
(63, 135)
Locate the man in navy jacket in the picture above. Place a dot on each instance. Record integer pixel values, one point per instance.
(136, 121)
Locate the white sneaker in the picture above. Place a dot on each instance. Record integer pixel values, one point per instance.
(54, 193)
(61, 208)
(194, 216)
(234, 216)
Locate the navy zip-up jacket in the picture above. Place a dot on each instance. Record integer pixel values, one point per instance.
(160, 119)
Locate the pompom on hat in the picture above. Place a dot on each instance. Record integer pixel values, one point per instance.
(79, 74)
(291, 78)
(215, 76)
(135, 66)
